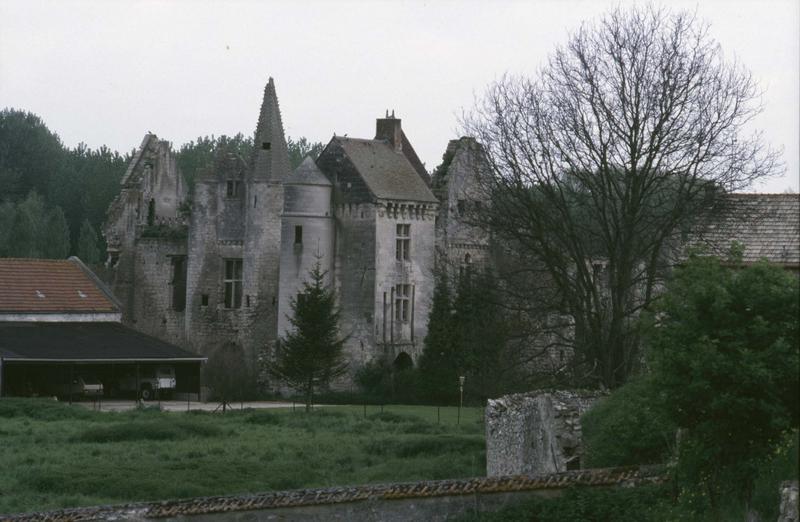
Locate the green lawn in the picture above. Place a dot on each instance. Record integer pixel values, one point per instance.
(53, 455)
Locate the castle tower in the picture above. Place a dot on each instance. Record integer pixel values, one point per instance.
(307, 234)
(262, 234)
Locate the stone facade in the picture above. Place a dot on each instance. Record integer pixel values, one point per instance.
(221, 265)
(456, 183)
(537, 432)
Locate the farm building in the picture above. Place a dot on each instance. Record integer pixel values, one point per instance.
(61, 335)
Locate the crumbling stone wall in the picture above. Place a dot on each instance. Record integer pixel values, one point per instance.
(789, 496)
(537, 432)
(457, 186)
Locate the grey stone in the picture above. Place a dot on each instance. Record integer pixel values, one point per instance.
(537, 432)
(789, 496)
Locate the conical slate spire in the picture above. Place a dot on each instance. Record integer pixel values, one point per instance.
(270, 153)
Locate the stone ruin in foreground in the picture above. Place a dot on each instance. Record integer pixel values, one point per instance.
(536, 432)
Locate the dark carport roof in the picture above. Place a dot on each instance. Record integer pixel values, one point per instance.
(85, 342)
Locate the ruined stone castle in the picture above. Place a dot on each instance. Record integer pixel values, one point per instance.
(220, 264)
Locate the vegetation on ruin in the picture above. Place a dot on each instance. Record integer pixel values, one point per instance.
(54, 455)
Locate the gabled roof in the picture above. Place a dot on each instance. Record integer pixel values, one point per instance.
(307, 173)
(387, 173)
(137, 157)
(96, 342)
(51, 286)
(767, 225)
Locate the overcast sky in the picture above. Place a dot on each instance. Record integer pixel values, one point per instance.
(106, 72)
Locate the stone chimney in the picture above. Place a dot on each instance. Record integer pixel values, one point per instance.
(389, 129)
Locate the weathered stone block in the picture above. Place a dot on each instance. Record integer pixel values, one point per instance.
(537, 432)
(789, 512)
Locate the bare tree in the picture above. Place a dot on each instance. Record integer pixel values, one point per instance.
(627, 135)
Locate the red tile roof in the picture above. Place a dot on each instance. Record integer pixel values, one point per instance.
(50, 285)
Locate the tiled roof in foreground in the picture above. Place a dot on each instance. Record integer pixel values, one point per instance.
(338, 495)
(50, 286)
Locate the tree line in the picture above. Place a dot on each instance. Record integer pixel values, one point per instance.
(54, 199)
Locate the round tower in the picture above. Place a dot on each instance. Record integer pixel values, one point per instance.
(307, 234)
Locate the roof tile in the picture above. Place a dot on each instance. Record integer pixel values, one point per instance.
(49, 285)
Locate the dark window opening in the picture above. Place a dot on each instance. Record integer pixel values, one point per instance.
(178, 283)
(255, 200)
(403, 361)
(232, 188)
(298, 235)
(402, 303)
(462, 207)
(204, 300)
(403, 242)
(233, 283)
(247, 301)
(266, 145)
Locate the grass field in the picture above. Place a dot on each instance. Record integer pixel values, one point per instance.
(53, 455)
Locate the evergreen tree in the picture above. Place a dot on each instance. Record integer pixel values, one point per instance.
(87, 244)
(440, 360)
(8, 214)
(311, 355)
(28, 219)
(482, 335)
(300, 148)
(54, 238)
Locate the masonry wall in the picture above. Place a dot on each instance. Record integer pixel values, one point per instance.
(152, 308)
(139, 269)
(536, 433)
(354, 281)
(212, 325)
(404, 336)
(434, 500)
(309, 207)
(461, 197)
(262, 244)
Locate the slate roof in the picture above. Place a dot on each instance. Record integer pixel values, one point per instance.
(767, 225)
(388, 174)
(307, 173)
(87, 341)
(51, 285)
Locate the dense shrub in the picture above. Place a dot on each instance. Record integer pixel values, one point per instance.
(628, 427)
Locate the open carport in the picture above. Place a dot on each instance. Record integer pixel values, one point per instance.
(44, 359)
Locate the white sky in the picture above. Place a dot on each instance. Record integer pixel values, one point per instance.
(106, 72)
